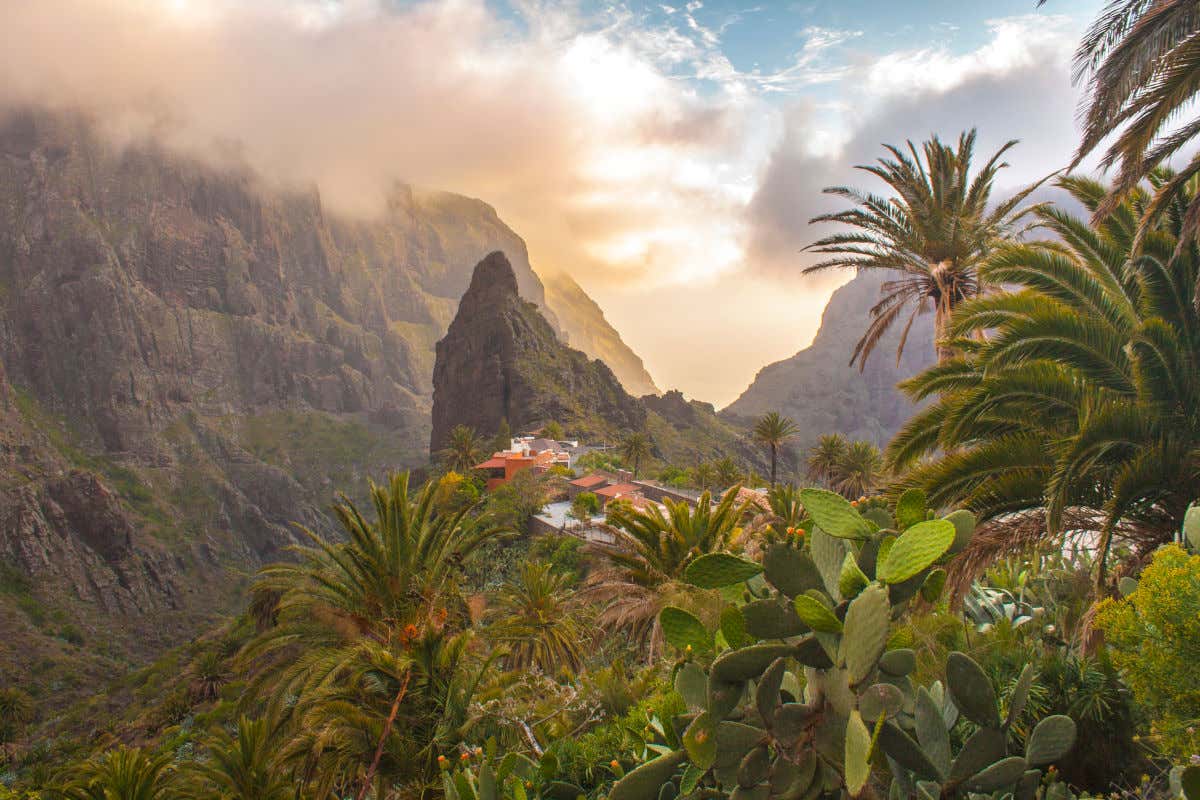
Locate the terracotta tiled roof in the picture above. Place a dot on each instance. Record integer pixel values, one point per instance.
(618, 490)
(492, 463)
(589, 480)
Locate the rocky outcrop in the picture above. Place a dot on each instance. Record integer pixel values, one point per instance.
(501, 361)
(819, 389)
(585, 328)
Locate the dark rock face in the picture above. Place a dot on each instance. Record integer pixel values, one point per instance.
(500, 360)
(823, 394)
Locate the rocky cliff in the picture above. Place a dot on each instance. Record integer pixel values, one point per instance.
(501, 361)
(585, 328)
(192, 361)
(820, 390)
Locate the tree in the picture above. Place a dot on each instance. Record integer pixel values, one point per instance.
(552, 430)
(644, 567)
(773, 430)
(634, 447)
(931, 235)
(503, 438)
(825, 456)
(704, 476)
(1139, 59)
(859, 471)
(1079, 411)
(532, 619)
(515, 502)
(126, 773)
(362, 654)
(584, 506)
(464, 449)
(246, 767)
(728, 472)
(16, 711)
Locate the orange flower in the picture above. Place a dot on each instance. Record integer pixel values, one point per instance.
(614, 763)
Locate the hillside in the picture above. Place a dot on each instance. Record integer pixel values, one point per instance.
(585, 328)
(820, 391)
(192, 362)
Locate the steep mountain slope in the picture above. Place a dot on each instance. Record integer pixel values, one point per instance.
(820, 391)
(192, 363)
(586, 329)
(500, 361)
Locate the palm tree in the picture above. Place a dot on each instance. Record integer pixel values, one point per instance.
(773, 430)
(644, 567)
(464, 449)
(1081, 410)
(825, 456)
(704, 475)
(126, 773)
(1139, 59)
(365, 621)
(728, 472)
(931, 235)
(859, 471)
(534, 621)
(248, 766)
(634, 447)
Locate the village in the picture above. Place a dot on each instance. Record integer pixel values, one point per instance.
(579, 503)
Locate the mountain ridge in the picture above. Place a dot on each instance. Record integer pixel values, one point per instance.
(819, 390)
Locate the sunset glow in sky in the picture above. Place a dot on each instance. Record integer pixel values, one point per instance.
(666, 154)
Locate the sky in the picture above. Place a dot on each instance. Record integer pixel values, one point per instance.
(667, 155)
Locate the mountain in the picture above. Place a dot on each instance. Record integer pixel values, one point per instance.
(820, 391)
(585, 328)
(190, 362)
(500, 361)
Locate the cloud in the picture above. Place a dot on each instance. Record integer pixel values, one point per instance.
(623, 144)
(1017, 85)
(578, 127)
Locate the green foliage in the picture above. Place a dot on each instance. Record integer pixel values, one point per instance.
(1088, 323)
(936, 229)
(848, 695)
(1153, 636)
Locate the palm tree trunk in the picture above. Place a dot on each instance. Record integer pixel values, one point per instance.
(387, 731)
(772, 465)
(941, 330)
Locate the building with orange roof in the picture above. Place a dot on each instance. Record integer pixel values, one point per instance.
(588, 483)
(607, 494)
(502, 466)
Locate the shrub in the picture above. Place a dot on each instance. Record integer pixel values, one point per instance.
(1153, 636)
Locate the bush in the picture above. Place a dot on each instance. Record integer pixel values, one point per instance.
(1153, 636)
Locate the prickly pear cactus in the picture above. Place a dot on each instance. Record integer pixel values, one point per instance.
(802, 695)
